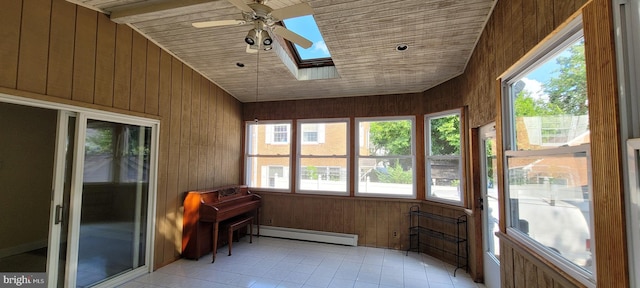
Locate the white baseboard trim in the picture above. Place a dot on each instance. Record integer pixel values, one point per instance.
(22, 248)
(308, 235)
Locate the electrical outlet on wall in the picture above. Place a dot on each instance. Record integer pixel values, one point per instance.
(395, 234)
(269, 221)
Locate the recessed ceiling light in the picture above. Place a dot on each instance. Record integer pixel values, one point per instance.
(240, 64)
(402, 47)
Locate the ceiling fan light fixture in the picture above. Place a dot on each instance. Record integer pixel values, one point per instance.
(267, 41)
(265, 38)
(251, 37)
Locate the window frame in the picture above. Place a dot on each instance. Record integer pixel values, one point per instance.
(308, 63)
(546, 51)
(300, 156)
(359, 144)
(248, 155)
(428, 157)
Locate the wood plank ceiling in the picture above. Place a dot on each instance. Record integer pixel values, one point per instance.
(361, 36)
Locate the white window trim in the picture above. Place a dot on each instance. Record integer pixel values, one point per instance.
(247, 155)
(557, 43)
(427, 144)
(299, 155)
(360, 145)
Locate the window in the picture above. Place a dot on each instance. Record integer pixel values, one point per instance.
(312, 133)
(386, 157)
(318, 54)
(322, 156)
(267, 155)
(443, 158)
(277, 134)
(546, 140)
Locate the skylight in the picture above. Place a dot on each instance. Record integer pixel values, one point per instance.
(306, 27)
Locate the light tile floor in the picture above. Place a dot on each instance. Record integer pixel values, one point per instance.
(272, 262)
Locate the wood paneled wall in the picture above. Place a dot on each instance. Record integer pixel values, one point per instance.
(374, 220)
(56, 51)
(525, 269)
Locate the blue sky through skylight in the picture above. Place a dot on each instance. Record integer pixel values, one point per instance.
(306, 27)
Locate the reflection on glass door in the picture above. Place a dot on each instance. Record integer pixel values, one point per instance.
(491, 208)
(115, 191)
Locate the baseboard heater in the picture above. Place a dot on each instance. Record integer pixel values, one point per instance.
(308, 235)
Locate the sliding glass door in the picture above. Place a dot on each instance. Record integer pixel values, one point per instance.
(112, 231)
(77, 199)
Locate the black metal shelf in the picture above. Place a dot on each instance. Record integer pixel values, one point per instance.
(417, 228)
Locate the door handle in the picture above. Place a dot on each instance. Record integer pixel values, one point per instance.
(59, 212)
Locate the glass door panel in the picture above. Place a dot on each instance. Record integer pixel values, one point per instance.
(491, 199)
(115, 191)
(491, 207)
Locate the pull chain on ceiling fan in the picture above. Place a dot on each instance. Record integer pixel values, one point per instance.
(257, 75)
(265, 20)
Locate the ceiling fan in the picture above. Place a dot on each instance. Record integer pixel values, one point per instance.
(265, 20)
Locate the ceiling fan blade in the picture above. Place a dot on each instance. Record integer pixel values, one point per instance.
(241, 5)
(292, 11)
(251, 49)
(292, 36)
(218, 23)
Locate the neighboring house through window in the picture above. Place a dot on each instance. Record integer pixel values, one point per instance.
(323, 156)
(268, 155)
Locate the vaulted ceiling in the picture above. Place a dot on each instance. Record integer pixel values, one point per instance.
(361, 35)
